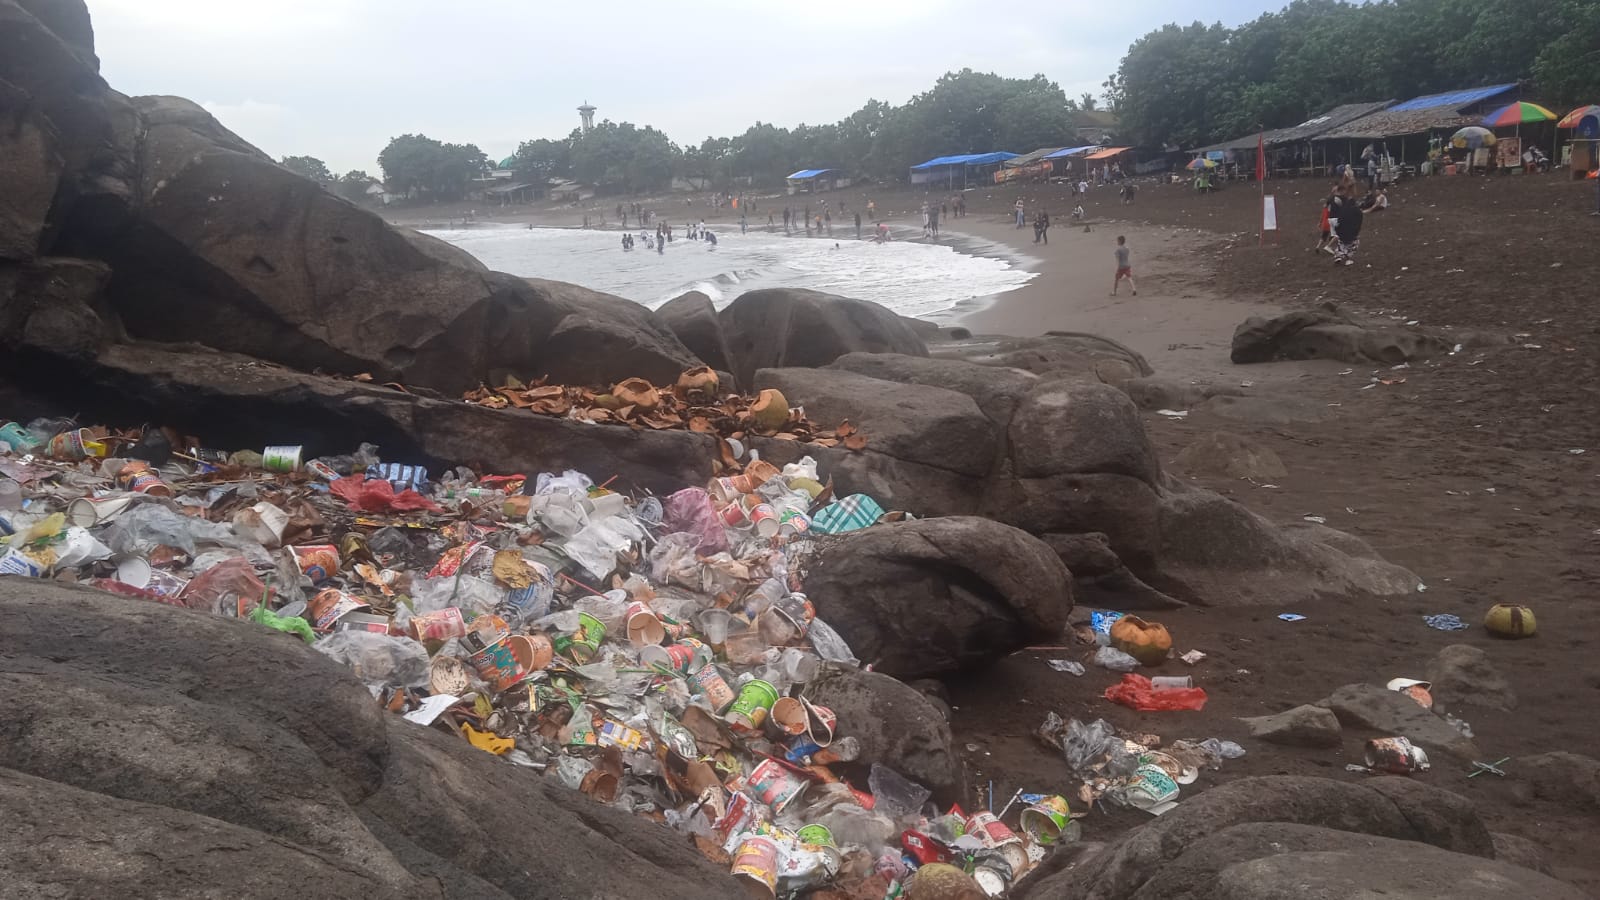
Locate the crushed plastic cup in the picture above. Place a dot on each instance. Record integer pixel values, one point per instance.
(751, 707)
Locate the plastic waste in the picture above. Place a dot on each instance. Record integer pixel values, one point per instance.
(896, 796)
(1137, 692)
(1115, 660)
(829, 645)
(378, 660)
(229, 588)
(262, 615)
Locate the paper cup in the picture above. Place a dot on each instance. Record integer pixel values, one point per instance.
(498, 665)
(793, 524)
(764, 519)
(86, 512)
(755, 862)
(820, 723)
(644, 628)
(1046, 820)
(734, 515)
(1151, 786)
(281, 458)
(586, 643)
(533, 650)
(134, 571)
(789, 716)
(752, 706)
(448, 675)
(776, 785)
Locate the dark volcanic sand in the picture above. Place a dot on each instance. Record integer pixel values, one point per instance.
(1381, 468)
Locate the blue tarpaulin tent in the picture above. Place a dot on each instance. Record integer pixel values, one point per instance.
(1072, 151)
(949, 168)
(803, 174)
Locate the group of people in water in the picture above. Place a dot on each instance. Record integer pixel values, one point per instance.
(664, 235)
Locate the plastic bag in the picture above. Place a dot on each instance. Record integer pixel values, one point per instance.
(378, 660)
(377, 495)
(1137, 692)
(689, 511)
(895, 795)
(261, 615)
(229, 588)
(829, 645)
(1115, 660)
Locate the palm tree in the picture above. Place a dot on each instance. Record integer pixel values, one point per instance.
(1087, 103)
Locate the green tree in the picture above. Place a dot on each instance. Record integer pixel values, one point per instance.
(308, 167)
(542, 159)
(353, 185)
(415, 164)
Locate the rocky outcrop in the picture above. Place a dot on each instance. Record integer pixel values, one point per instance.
(935, 596)
(1214, 550)
(693, 319)
(1099, 577)
(1329, 332)
(1304, 837)
(995, 389)
(1303, 726)
(209, 240)
(1393, 713)
(784, 327)
(1463, 675)
(895, 725)
(929, 426)
(300, 771)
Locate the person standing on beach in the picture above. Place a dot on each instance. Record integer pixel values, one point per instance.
(788, 217)
(933, 220)
(1022, 216)
(1124, 267)
(872, 209)
(1041, 228)
(744, 224)
(858, 225)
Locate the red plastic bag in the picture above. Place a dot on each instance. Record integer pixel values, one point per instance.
(1136, 691)
(376, 495)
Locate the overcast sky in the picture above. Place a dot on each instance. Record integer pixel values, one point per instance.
(336, 79)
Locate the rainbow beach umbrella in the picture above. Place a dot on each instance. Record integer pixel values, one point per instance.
(1586, 119)
(1518, 114)
(1200, 162)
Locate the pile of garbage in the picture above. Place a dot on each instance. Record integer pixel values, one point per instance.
(694, 403)
(651, 652)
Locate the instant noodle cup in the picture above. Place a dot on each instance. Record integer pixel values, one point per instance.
(498, 665)
(708, 680)
(437, 626)
(789, 716)
(1046, 821)
(751, 707)
(755, 862)
(282, 458)
(329, 606)
(644, 627)
(319, 562)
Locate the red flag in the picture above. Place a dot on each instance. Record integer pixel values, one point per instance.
(1261, 157)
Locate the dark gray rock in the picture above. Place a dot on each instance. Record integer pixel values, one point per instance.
(1125, 509)
(53, 308)
(1570, 779)
(1100, 579)
(1232, 455)
(1519, 851)
(1133, 863)
(1218, 552)
(1329, 332)
(896, 484)
(30, 169)
(1395, 873)
(1303, 726)
(930, 426)
(693, 318)
(783, 327)
(1084, 554)
(1066, 427)
(935, 596)
(896, 726)
(996, 390)
(1462, 675)
(1393, 713)
(1065, 354)
(154, 744)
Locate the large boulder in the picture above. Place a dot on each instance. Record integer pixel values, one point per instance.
(30, 168)
(1180, 853)
(1073, 428)
(895, 725)
(1463, 675)
(693, 318)
(781, 327)
(930, 426)
(995, 389)
(1100, 579)
(1067, 354)
(192, 732)
(1392, 870)
(53, 306)
(934, 596)
(1393, 713)
(1304, 726)
(1217, 552)
(222, 246)
(1329, 332)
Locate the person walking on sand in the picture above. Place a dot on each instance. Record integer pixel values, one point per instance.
(1022, 216)
(872, 209)
(1325, 241)
(1041, 228)
(1124, 267)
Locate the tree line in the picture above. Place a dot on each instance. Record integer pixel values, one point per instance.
(1178, 86)
(1192, 85)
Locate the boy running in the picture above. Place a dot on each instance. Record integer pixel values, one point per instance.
(1124, 268)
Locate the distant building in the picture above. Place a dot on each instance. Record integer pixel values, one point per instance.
(587, 113)
(1095, 126)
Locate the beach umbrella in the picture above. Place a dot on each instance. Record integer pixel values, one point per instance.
(1201, 162)
(1472, 137)
(1586, 119)
(1517, 114)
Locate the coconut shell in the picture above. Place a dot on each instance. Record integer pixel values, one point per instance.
(699, 385)
(1510, 620)
(770, 412)
(942, 881)
(637, 393)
